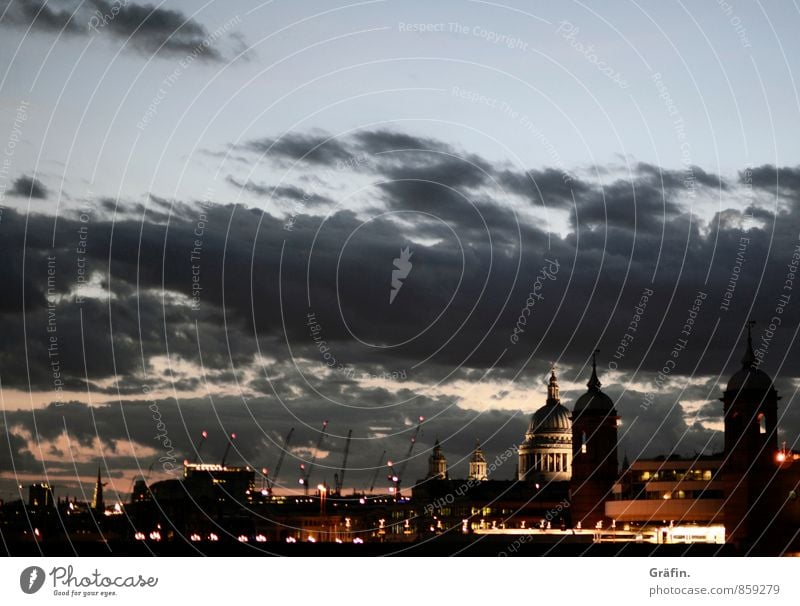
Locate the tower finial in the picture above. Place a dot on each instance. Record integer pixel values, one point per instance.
(749, 359)
(594, 382)
(553, 396)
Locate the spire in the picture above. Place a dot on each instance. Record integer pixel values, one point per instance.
(98, 503)
(749, 359)
(552, 388)
(477, 454)
(594, 382)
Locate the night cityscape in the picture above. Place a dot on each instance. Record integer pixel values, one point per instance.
(569, 497)
(397, 278)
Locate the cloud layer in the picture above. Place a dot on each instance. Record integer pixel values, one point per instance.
(255, 320)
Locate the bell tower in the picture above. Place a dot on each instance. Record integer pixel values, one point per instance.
(750, 410)
(594, 453)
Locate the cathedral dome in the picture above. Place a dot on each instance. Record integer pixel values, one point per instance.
(550, 418)
(553, 417)
(546, 454)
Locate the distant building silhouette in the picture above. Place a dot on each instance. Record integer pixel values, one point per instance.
(594, 447)
(437, 463)
(98, 503)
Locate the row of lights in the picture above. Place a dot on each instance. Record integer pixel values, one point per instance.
(356, 541)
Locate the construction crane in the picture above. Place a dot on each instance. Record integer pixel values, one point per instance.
(377, 471)
(284, 448)
(199, 445)
(339, 477)
(396, 477)
(227, 449)
(307, 471)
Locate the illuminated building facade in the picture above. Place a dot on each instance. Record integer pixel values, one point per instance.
(546, 454)
(477, 465)
(437, 464)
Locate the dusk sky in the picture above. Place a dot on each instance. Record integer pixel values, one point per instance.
(202, 206)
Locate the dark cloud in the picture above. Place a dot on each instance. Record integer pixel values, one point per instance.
(313, 148)
(40, 15)
(549, 187)
(144, 27)
(158, 30)
(382, 141)
(687, 179)
(475, 264)
(456, 309)
(630, 205)
(28, 187)
(772, 179)
(281, 192)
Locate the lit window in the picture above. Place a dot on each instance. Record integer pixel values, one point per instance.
(583, 442)
(762, 423)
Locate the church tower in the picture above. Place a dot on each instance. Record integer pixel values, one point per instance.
(477, 464)
(750, 408)
(437, 464)
(594, 458)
